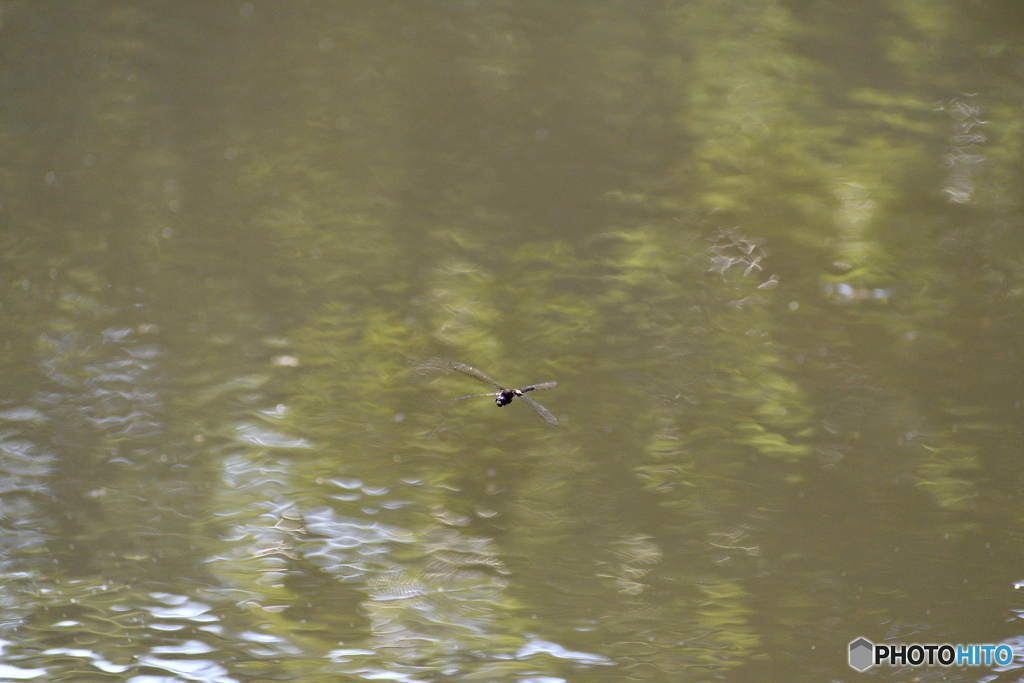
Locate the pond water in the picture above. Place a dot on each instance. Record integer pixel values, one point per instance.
(771, 253)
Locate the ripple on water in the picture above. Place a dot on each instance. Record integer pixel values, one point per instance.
(22, 414)
(191, 669)
(268, 438)
(536, 646)
(99, 662)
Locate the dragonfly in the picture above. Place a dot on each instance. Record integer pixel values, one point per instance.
(504, 395)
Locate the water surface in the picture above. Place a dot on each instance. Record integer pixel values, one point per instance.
(771, 253)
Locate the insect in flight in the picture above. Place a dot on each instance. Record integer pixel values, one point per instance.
(504, 395)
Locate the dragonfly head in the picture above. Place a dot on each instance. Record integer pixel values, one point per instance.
(505, 397)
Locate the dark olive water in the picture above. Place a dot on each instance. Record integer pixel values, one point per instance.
(772, 253)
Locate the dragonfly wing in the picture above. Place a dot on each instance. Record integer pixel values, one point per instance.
(473, 372)
(541, 410)
(494, 393)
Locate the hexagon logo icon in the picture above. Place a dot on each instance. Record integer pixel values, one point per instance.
(861, 654)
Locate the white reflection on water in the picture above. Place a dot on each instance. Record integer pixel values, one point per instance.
(259, 637)
(99, 662)
(15, 673)
(267, 438)
(555, 650)
(344, 654)
(189, 647)
(192, 669)
(340, 534)
(180, 608)
(22, 414)
(383, 675)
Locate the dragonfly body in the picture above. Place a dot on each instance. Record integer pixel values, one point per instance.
(503, 396)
